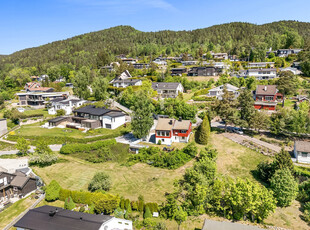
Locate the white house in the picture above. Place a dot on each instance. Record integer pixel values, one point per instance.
(92, 117)
(123, 76)
(49, 217)
(302, 151)
(262, 74)
(295, 71)
(68, 105)
(261, 65)
(127, 82)
(218, 91)
(12, 165)
(3, 126)
(168, 89)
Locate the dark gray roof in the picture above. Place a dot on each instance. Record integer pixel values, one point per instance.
(115, 114)
(165, 85)
(57, 119)
(225, 225)
(40, 219)
(302, 146)
(92, 110)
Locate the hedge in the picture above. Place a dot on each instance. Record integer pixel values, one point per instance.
(105, 203)
(74, 148)
(203, 98)
(202, 92)
(62, 140)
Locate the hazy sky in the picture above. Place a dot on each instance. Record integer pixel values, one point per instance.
(29, 23)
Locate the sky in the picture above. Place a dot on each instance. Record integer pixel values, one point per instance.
(30, 23)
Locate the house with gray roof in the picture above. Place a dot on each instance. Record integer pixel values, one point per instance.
(67, 105)
(51, 218)
(168, 89)
(219, 91)
(302, 151)
(15, 184)
(92, 117)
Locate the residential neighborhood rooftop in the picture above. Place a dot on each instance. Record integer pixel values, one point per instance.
(302, 146)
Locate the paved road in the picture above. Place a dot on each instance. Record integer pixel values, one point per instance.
(54, 148)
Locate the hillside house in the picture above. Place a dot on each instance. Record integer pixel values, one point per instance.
(92, 117)
(67, 105)
(15, 185)
(141, 66)
(267, 97)
(286, 52)
(36, 87)
(127, 82)
(185, 63)
(262, 74)
(39, 98)
(202, 71)
(168, 89)
(219, 91)
(302, 151)
(169, 130)
(48, 217)
(219, 56)
(123, 76)
(178, 71)
(260, 65)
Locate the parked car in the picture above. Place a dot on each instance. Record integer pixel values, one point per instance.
(237, 130)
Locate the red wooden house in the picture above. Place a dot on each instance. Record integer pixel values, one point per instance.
(267, 97)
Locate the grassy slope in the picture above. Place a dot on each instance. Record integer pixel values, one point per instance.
(36, 130)
(129, 182)
(13, 211)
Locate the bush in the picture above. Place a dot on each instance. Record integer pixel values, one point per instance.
(147, 213)
(75, 148)
(284, 186)
(52, 191)
(69, 204)
(43, 160)
(100, 181)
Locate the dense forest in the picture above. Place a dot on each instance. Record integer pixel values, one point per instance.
(99, 48)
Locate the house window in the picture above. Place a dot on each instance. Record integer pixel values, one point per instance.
(269, 98)
(304, 154)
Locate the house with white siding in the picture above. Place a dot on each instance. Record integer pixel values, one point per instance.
(302, 151)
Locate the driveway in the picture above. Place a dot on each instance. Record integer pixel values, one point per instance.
(54, 148)
(240, 138)
(128, 138)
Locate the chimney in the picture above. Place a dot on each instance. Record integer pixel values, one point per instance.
(157, 85)
(170, 122)
(265, 88)
(180, 118)
(53, 212)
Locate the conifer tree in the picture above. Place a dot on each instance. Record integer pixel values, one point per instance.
(203, 132)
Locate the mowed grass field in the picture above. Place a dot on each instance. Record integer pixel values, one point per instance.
(36, 130)
(129, 182)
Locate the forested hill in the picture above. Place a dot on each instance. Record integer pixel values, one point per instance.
(92, 49)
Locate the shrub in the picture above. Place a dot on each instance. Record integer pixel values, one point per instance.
(159, 142)
(147, 213)
(100, 181)
(74, 148)
(69, 204)
(284, 186)
(52, 191)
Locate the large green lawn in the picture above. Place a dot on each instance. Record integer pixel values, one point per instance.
(36, 130)
(37, 111)
(129, 182)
